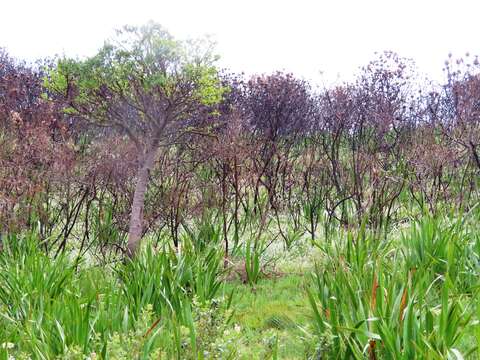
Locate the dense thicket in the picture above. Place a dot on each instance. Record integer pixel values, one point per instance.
(274, 145)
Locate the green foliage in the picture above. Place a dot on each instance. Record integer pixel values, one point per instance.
(253, 259)
(209, 91)
(412, 296)
(47, 310)
(166, 280)
(405, 300)
(140, 59)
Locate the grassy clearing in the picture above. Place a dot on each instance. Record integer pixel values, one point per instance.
(273, 309)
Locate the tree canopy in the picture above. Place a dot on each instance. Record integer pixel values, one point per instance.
(139, 82)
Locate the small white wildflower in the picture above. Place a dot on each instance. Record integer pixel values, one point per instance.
(8, 345)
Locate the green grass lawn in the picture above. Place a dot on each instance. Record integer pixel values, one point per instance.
(274, 308)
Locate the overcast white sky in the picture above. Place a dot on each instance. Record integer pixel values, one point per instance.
(301, 36)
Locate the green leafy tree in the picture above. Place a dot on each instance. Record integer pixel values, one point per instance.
(147, 85)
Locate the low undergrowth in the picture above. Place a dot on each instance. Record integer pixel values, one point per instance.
(409, 295)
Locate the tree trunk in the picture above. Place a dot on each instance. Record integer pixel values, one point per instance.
(135, 230)
(476, 157)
